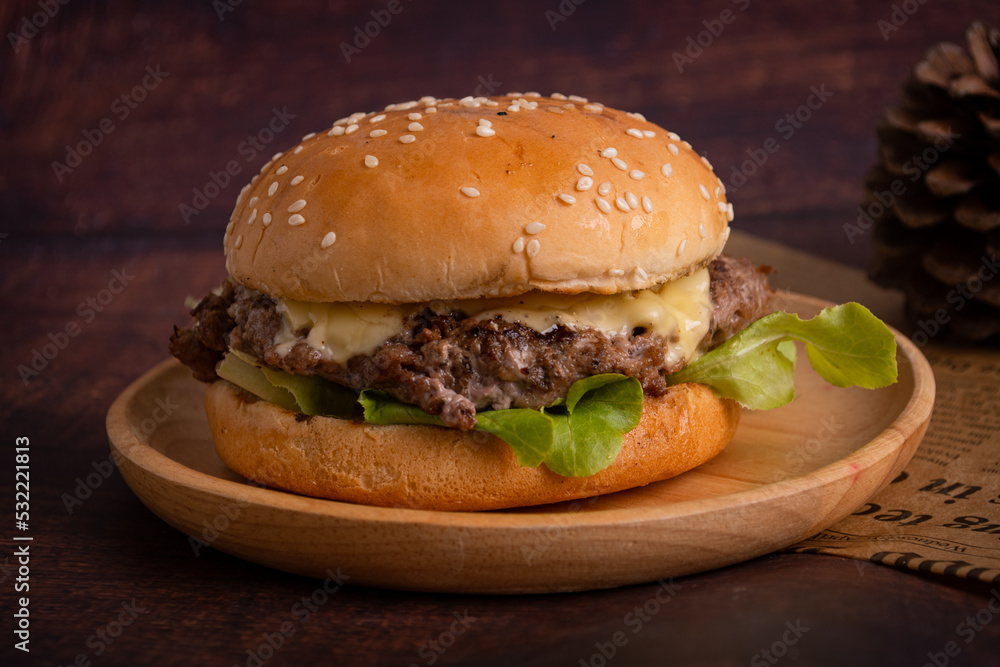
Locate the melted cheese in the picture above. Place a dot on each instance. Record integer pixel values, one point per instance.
(680, 311)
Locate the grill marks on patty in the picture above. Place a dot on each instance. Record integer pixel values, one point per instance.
(450, 365)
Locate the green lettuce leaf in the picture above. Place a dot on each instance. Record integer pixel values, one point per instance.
(590, 428)
(846, 345)
(307, 394)
(381, 408)
(248, 375)
(576, 438)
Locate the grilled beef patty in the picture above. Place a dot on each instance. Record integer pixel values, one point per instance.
(451, 365)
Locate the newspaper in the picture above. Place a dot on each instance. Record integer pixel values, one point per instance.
(942, 513)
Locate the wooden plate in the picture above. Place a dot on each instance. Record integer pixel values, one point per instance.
(788, 474)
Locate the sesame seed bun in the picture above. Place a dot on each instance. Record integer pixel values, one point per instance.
(456, 199)
(437, 468)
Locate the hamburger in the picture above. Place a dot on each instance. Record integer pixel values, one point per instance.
(477, 303)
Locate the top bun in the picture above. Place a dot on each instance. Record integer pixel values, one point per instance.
(478, 197)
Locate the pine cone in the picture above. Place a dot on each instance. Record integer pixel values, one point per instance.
(934, 197)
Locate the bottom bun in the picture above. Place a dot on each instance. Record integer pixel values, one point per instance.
(431, 467)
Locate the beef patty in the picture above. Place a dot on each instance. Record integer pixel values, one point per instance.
(451, 365)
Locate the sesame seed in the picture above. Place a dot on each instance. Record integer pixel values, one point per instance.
(532, 94)
(309, 136)
(353, 127)
(584, 169)
(555, 110)
(533, 247)
(375, 119)
(534, 228)
(680, 248)
(718, 191)
(253, 200)
(378, 133)
(647, 205)
(604, 189)
(686, 144)
(297, 180)
(328, 240)
(295, 220)
(673, 149)
(407, 139)
(637, 115)
(620, 163)
(281, 170)
(704, 160)
(674, 136)
(603, 205)
(484, 131)
(431, 110)
(239, 241)
(722, 207)
(729, 216)
(513, 108)
(622, 204)
(274, 188)
(335, 131)
(585, 183)
(648, 133)
(642, 274)
(726, 236)
(667, 169)
(702, 230)
(518, 244)
(371, 161)
(266, 219)
(635, 132)
(253, 216)
(577, 98)
(341, 121)
(356, 116)
(593, 107)
(491, 103)
(414, 127)
(704, 192)
(487, 123)
(275, 156)
(470, 192)
(467, 101)
(414, 116)
(569, 105)
(632, 200)
(636, 174)
(297, 150)
(557, 96)
(569, 199)
(609, 152)
(616, 272)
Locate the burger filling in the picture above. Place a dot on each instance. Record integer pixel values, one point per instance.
(452, 359)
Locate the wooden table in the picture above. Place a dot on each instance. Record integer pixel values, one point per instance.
(114, 116)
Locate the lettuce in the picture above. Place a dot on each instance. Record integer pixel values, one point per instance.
(581, 435)
(846, 345)
(574, 438)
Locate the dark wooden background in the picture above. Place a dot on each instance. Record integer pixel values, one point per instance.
(223, 68)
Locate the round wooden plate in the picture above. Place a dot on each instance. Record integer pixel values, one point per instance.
(788, 474)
